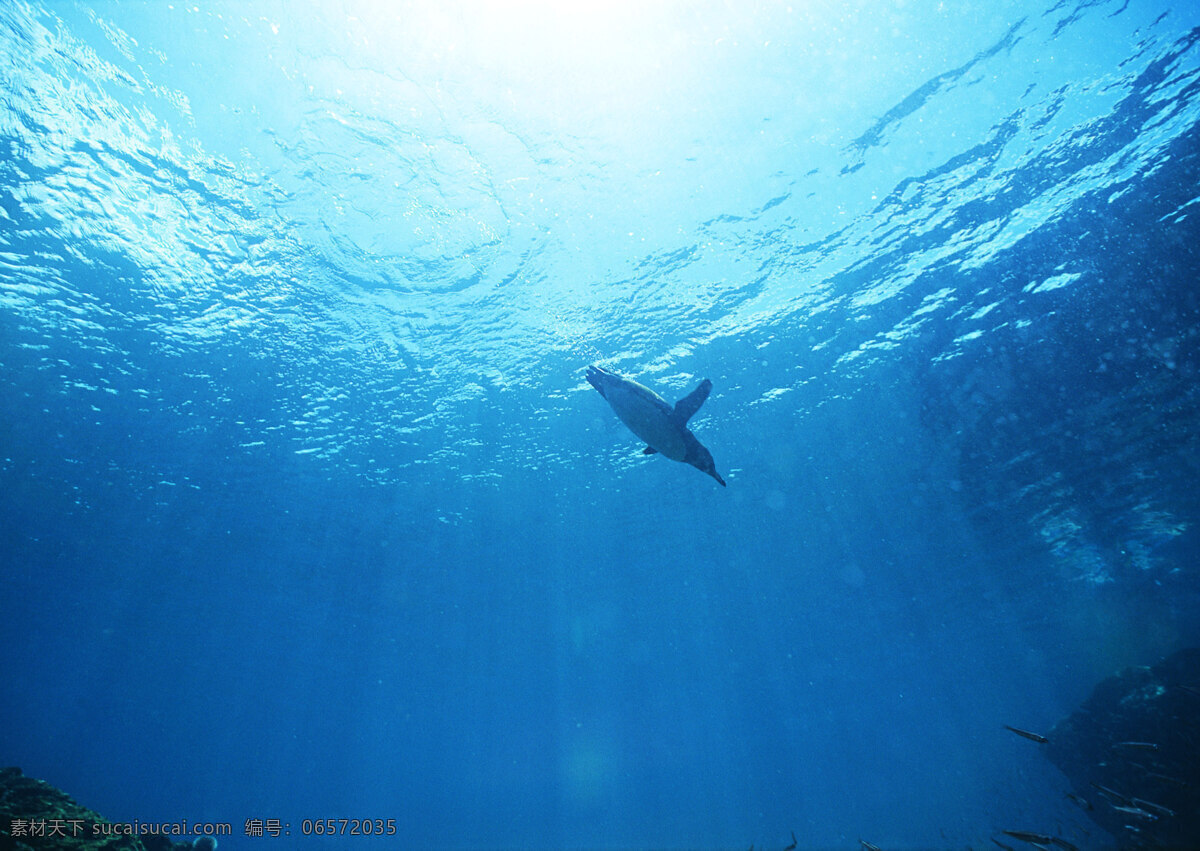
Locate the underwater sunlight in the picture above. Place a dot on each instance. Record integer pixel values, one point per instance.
(600, 425)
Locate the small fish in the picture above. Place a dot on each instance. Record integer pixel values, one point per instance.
(1158, 808)
(1114, 796)
(1137, 812)
(1040, 840)
(867, 846)
(1033, 737)
(1002, 845)
(1174, 781)
(792, 847)
(1137, 746)
(1082, 803)
(1026, 836)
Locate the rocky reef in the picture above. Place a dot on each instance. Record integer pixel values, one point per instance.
(35, 815)
(1132, 754)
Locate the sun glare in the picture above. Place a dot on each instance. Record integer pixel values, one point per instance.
(590, 47)
(546, 54)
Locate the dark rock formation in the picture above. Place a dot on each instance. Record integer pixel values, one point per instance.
(35, 816)
(1132, 754)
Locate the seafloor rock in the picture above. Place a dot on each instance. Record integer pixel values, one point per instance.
(35, 816)
(1132, 754)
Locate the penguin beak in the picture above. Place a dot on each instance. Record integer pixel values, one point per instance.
(717, 476)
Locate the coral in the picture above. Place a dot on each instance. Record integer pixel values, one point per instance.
(35, 816)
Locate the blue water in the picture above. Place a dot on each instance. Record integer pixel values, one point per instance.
(306, 510)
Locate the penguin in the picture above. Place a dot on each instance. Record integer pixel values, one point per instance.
(650, 417)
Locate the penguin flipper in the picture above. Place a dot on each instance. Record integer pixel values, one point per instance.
(649, 450)
(691, 403)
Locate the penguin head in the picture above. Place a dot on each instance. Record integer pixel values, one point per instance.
(700, 458)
